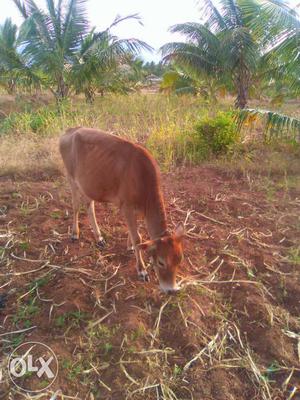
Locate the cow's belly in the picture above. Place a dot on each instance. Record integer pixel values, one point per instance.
(98, 192)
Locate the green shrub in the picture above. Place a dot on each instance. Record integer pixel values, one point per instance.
(217, 134)
(211, 136)
(37, 121)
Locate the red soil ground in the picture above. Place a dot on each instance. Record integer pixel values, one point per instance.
(240, 300)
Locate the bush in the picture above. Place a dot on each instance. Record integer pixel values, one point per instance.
(210, 136)
(216, 135)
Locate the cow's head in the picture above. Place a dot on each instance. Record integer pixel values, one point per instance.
(167, 254)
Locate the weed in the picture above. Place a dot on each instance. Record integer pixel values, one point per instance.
(2, 251)
(26, 312)
(294, 255)
(16, 195)
(138, 333)
(24, 246)
(270, 370)
(23, 228)
(177, 370)
(55, 214)
(73, 369)
(107, 348)
(39, 282)
(16, 340)
(73, 319)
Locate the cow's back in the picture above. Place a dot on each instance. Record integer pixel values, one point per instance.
(108, 168)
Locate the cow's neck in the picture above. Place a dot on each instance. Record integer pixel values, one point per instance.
(156, 216)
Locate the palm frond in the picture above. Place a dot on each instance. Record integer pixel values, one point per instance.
(32, 7)
(240, 47)
(120, 19)
(22, 8)
(231, 13)
(8, 33)
(131, 45)
(191, 57)
(198, 34)
(55, 15)
(215, 20)
(270, 20)
(276, 124)
(75, 25)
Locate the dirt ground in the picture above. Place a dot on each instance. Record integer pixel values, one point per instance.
(232, 332)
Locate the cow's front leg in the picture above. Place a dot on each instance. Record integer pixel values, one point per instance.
(136, 240)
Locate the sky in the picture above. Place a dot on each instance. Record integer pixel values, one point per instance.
(157, 16)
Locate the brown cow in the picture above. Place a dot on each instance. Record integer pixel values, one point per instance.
(106, 168)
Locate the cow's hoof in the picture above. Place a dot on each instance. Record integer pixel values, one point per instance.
(101, 243)
(74, 238)
(143, 276)
(130, 249)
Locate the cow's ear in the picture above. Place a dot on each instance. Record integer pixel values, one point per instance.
(149, 246)
(179, 231)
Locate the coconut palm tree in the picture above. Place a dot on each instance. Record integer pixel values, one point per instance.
(238, 39)
(58, 40)
(277, 27)
(100, 58)
(223, 47)
(278, 30)
(14, 67)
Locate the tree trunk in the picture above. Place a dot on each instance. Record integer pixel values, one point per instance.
(242, 83)
(62, 90)
(242, 94)
(11, 86)
(89, 95)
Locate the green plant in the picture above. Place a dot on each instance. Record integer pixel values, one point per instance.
(215, 135)
(74, 370)
(24, 246)
(39, 282)
(73, 317)
(107, 348)
(55, 214)
(177, 370)
(25, 312)
(294, 255)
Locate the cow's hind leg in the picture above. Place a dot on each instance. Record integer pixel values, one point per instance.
(135, 240)
(76, 204)
(92, 217)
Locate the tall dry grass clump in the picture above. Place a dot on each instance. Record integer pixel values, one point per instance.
(29, 139)
(176, 129)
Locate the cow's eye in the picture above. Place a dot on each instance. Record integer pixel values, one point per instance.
(161, 264)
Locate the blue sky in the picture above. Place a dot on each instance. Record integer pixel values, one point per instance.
(157, 17)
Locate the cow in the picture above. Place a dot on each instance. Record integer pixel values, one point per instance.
(104, 167)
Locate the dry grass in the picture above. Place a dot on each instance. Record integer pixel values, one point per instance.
(29, 156)
(29, 139)
(164, 124)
